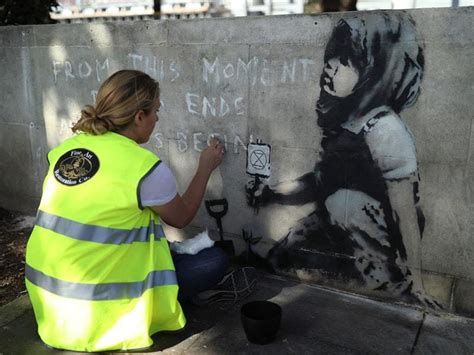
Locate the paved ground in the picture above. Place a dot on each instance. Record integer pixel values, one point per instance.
(315, 320)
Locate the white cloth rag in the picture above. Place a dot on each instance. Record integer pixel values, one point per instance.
(194, 245)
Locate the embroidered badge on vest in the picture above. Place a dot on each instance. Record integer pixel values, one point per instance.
(76, 166)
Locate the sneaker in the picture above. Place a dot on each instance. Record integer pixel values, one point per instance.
(235, 286)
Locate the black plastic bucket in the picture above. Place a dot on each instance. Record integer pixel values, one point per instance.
(261, 321)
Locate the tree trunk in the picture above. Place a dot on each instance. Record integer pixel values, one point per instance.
(157, 8)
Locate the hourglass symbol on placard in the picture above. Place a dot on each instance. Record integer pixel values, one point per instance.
(258, 160)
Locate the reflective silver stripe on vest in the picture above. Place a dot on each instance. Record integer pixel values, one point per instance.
(100, 292)
(91, 233)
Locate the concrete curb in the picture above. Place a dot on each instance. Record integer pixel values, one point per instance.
(14, 309)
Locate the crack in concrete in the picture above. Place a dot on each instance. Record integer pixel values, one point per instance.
(413, 348)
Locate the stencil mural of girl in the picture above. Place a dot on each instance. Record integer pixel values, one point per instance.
(367, 223)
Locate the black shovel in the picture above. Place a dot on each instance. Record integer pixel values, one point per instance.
(217, 209)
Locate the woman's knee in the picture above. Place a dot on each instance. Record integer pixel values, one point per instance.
(218, 260)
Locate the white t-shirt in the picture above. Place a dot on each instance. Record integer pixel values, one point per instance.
(390, 142)
(158, 187)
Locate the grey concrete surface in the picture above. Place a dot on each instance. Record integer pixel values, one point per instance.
(315, 320)
(265, 71)
(463, 301)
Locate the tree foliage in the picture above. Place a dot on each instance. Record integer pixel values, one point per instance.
(338, 5)
(314, 6)
(26, 12)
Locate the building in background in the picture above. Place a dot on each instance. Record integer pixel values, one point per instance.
(176, 9)
(410, 4)
(122, 10)
(264, 7)
(72, 11)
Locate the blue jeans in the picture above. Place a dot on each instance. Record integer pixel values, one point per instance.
(200, 272)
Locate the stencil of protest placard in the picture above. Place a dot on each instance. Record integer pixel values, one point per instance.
(258, 160)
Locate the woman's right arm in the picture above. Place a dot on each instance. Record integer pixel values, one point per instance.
(180, 211)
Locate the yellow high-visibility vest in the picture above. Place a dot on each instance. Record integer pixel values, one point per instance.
(99, 271)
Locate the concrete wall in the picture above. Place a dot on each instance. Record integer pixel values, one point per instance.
(259, 78)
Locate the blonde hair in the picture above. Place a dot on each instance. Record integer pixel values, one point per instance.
(119, 98)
